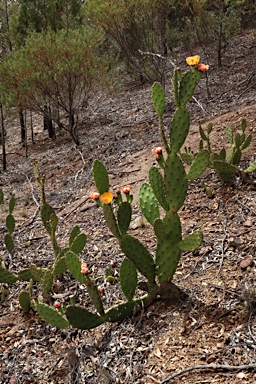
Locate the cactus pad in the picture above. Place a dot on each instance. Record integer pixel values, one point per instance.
(158, 98)
(191, 242)
(74, 233)
(80, 318)
(74, 267)
(78, 243)
(187, 87)
(179, 128)
(124, 215)
(128, 278)
(157, 184)
(111, 220)
(25, 301)
(100, 176)
(148, 203)
(51, 316)
(7, 276)
(9, 243)
(199, 165)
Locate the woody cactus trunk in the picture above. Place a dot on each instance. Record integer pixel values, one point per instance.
(167, 188)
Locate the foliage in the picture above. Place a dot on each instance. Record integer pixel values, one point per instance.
(58, 69)
(138, 27)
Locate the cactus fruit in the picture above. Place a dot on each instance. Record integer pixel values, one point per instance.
(179, 128)
(191, 242)
(157, 184)
(7, 276)
(128, 278)
(100, 176)
(25, 301)
(158, 98)
(124, 215)
(148, 203)
(51, 316)
(199, 165)
(140, 256)
(176, 183)
(80, 318)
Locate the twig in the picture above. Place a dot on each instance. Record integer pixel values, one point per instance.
(222, 248)
(210, 366)
(80, 170)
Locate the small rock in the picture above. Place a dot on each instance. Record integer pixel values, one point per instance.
(246, 262)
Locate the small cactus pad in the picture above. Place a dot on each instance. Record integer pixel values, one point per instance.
(187, 87)
(229, 134)
(7, 276)
(128, 278)
(78, 243)
(47, 281)
(158, 98)
(176, 87)
(100, 176)
(95, 296)
(8, 240)
(111, 220)
(157, 184)
(26, 275)
(82, 319)
(247, 142)
(74, 267)
(121, 311)
(74, 233)
(148, 203)
(198, 165)
(124, 215)
(46, 212)
(141, 257)
(11, 204)
(176, 183)
(10, 224)
(191, 242)
(167, 259)
(24, 300)
(60, 266)
(179, 128)
(36, 272)
(251, 168)
(51, 316)
(225, 170)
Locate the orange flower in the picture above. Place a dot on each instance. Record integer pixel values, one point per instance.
(157, 150)
(202, 67)
(84, 269)
(126, 189)
(193, 60)
(95, 196)
(106, 197)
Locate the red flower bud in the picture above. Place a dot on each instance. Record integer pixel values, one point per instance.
(126, 189)
(57, 304)
(157, 150)
(84, 269)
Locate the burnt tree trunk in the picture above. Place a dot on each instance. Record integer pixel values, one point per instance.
(48, 124)
(22, 128)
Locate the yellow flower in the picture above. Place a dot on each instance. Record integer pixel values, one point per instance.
(193, 60)
(106, 197)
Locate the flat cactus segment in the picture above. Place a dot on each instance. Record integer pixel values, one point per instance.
(7, 276)
(251, 168)
(25, 301)
(100, 176)
(95, 296)
(124, 216)
(54, 221)
(172, 225)
(46, 212)
(141, 257)
(231, 153)
(36, 272)
(128, 278)
(187, 87)
(80, 318)
(157, 184)
(51, 316)
(167, 259)
(121, 311)
(78, 244)
(179, 128)
(111, 220)
(247, 142)
(176, 88)
(191, 242)
(26, 275)
(74, 233)
(47, 282)
(8, 240)
(176, 183)
(148, 203)
(11, 204)
(237, 157)
(159, 229)
(10, 224)
(74, 267)
(229, 134)
(225, 170)
(158, 98)
(60, 266)
(199, 165)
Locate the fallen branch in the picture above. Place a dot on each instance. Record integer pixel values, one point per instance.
(210, 366)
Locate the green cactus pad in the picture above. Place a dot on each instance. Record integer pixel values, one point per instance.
(11, 204)
(223, 154)
(51, 316)
(198, 165)
(80, 318)
(229, 134)
(231, 153)
(54, 221)
(141, 257)
(172, 225)
(202, 133)
(46, 212)
(251, 168)
(124, 215)
(10, 224)
(121, 311)
(225, 170)
(176, 87)
(7, 276)
(191, 242)
(95, 297)
(157, 184)
(74, 267)
(167, 259)
(36, 272)
(179, 128)
(100, 176)
(148, 203)
(60, 266)
(237, 157)
(111, 220)
(8, 240)
(25, 301)
(176, 183)
(159, 229)
(187, 87)
(47, 281)
(128, 278)
(247, 142)
(26, 275)
(74, 233)
(158, 98)
(78, 243)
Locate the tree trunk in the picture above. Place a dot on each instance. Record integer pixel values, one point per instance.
(48, 124)
(22, 128)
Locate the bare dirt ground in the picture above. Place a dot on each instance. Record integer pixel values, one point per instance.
(216, 324)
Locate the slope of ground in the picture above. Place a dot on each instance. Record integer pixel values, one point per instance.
(215, 324)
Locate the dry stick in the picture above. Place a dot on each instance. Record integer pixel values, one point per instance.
(209, 366)
(222, 247)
